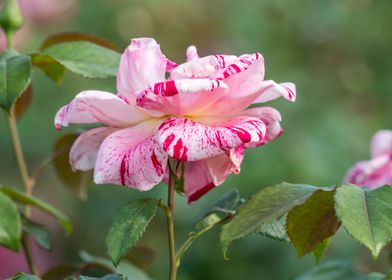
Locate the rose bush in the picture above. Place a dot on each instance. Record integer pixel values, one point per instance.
(199, 115)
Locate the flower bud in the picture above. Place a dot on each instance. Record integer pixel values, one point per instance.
(10, 17)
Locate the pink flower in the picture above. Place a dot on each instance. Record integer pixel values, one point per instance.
(376, 172)
(199, 115)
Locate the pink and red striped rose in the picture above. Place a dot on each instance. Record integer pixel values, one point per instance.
(198, 115)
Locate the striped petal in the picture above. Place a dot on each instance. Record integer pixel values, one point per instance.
(98, 107)
(188, 140)
(83, 154)
(269, 90)
(271, 118)
(204, 67)
(131, 157)
(142, 64)
(181, 97)
(203, 175)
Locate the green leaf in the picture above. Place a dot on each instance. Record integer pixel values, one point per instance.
(23, 276)
(275, 229)
(10, 224)
(76, 181)
(366, 215)
(26, 199)
(129, 224)
(266, 206)
(111, 276)
(83, 58)
(319, 252)
(336, 270)
(309, 223)
(49, 66)
(229, 201)
(39, 232)
(15, 76)
(124, 268)
(61, 271)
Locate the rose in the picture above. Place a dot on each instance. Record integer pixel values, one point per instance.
(198, 116)
(376, 172)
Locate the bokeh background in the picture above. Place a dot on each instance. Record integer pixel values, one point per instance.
(338, 53)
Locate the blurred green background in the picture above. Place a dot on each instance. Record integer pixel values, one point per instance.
(338, 53)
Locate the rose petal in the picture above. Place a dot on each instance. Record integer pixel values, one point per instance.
(142, 64)
(181, 97)
(381, 143)
(83, 154)
(203, 175)
(269, 90)
(271, 118)
(244, 78)
(191, 53)
(98, 106)
(203, 67)
(373, 173)
(187, 140)
(131, 157)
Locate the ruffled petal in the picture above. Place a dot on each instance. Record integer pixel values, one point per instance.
(381, 143)
(181, 97)
(188, 140)
(271, 118)
(83, 154)
(98, 106)
(373, 173)
(244, 78)
(142, 64)
(204, 67)
(203, 175)
(269, 90)
(131, 157)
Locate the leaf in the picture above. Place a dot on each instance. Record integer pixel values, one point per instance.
(309, 223)
(338, 270)
(10, 224)
(129, 224)
(366, 215)
(111, 276)
(266, 206)
(15, 76)
(26, 199)
(125, 268)
(61, 271)
(83, 58)
(76, 181)
(77, 36)
(275, 229)
(23, 276)
(319, 252)
(23, 102)
(49, 66)
(39, 232)
(229, 201)
(141, 256)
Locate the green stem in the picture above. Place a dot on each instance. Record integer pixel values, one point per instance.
(29, 257)
(10, 39)
(170, 226)
(27, 181)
